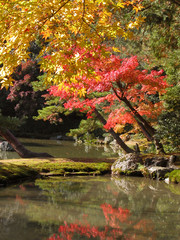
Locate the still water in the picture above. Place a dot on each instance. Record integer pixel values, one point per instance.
(98, 208)
(64, 149)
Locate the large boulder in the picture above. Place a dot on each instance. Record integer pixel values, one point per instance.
(5, 146)
(158, 167)
(134, 164)
(159, 172)
(156, 162)
(127, 164)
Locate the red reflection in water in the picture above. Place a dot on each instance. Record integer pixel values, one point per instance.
(116, 219)
(22, 187)
(19, 199)
(144, 225)
(113, 216)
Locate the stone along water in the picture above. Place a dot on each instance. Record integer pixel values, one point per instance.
(97, 208)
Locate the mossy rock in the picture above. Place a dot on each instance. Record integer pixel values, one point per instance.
(127, 165)
(174, 176)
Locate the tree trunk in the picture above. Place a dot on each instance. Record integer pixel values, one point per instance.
(146, 128)
(18, 147)
(115, 135)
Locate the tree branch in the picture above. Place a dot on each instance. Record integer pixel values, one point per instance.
(119, 141)
(53, 14)
(18, 147)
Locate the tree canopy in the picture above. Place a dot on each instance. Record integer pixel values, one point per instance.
(78, 50)
(127, 92)
(63, 25)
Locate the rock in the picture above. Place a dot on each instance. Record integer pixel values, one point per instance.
(159, 172)
(107, 140)
(113, 142)
(59, 137)
(5, 146)
(156, 161)
(157, 167)
(166, 180)
(153, 167)
(127, 164)
(174, 160)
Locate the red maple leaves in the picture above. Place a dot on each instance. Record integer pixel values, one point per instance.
(120, 80)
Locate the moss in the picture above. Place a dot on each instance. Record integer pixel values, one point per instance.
(174, 176)
(136, 172)
(14, 170)
(12, 173)
(70, 167)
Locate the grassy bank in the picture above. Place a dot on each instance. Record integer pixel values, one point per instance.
(15, 170)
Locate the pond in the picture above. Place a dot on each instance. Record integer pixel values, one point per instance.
(64, 149)
(98, 208)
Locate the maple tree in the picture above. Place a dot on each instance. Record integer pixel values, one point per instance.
(7, 119)
(26, 100)
(127, 93)
(63, 24)
(158, 39)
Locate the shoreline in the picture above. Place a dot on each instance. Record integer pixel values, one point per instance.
(14, 171)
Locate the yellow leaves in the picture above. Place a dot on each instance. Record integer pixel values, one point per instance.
(121, 4)
(82, 92)
(119, 128)
(63, 86)
(59, 70)
(72, 90)
(136, 24)
(63, 24)
(138, 7)
(6, 82)
(115, 49)
(3, 72)
(46, 34)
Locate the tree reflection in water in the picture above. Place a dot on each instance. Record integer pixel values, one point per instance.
(117, 222)
(94, 208)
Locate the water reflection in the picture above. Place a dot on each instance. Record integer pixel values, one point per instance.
(90, 208)
(65, 149)
(112, 230)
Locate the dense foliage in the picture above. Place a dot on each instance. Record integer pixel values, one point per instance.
(21, 93)
(127, 92)
(63, 24)
(158, 39)
(79, 43)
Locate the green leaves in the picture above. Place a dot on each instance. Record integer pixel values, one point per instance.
(9, 122)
